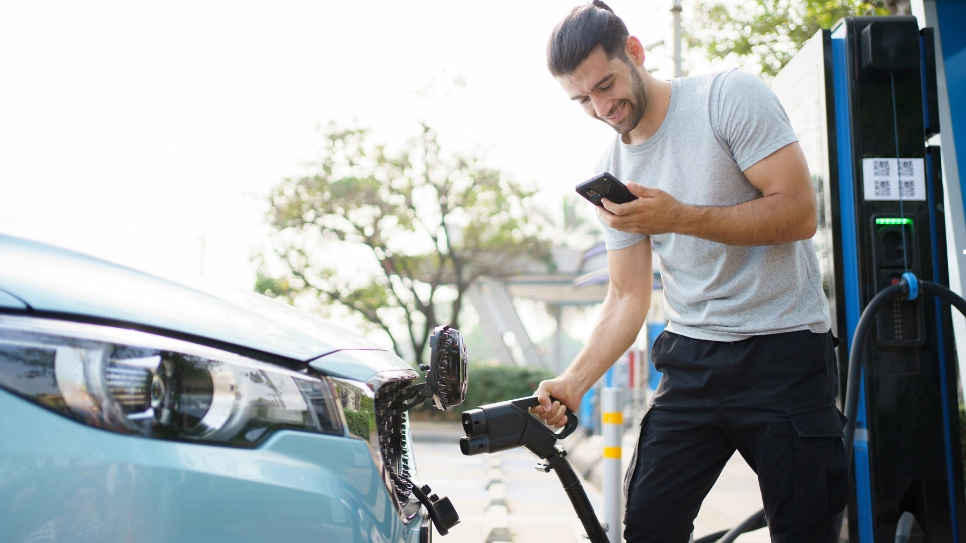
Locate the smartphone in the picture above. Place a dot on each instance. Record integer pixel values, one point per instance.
(607, 186)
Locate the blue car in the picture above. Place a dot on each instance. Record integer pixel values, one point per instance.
(137, 409)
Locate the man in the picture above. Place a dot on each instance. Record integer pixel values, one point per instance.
(726, 201)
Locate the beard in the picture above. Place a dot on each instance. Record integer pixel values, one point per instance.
(635, 105)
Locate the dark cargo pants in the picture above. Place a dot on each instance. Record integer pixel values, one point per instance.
(771, 398)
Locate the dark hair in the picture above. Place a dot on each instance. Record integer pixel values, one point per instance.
(580, 32)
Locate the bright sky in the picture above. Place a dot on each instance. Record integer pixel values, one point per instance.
(144, 132)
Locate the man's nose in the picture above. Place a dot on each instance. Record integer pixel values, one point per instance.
(601, 106)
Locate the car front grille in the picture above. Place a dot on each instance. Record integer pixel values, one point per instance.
(393, 427)
(375, 412)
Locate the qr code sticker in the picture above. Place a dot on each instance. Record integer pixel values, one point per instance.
(907, 188)
(880, 168)
(905, 168)
(882, 188)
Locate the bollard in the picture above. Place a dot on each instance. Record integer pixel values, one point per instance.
(612, 417)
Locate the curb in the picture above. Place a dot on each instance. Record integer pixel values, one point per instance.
(496, 517)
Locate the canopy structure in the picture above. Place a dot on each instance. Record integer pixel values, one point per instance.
(580, 279)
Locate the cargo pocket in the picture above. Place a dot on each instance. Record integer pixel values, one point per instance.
(632, 464)
(821, 478)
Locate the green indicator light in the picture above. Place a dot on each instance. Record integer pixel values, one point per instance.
(892, 221)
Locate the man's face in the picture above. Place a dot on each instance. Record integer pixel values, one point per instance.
(610, 90)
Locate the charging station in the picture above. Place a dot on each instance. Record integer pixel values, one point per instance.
(864, 99)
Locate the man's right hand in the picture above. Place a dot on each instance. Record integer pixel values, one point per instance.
(565, 396)
(619, 323)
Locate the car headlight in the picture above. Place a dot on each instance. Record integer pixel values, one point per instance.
(137, 383)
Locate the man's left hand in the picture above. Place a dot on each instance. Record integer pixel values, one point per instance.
(654, 212)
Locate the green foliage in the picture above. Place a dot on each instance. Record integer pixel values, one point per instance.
(489, 383)
(766, 32)
(429, 224)
(358, 422)
(496, 383)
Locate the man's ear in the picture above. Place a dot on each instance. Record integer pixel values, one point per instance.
(634, 50)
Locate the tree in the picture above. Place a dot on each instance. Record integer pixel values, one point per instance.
(432, 223)
(770, 32)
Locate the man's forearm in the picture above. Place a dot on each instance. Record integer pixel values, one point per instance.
(769, 220)
(786, 211)
(616, 330)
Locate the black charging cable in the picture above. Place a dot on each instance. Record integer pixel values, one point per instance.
(506, 425)
(909, 288)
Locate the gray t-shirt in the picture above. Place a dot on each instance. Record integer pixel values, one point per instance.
(716, 127)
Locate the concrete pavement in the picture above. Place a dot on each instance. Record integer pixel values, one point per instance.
(535, 507)
(734, 497)
(500, 497)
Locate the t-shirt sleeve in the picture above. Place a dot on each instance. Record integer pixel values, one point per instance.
(749, 119)
(614, 239)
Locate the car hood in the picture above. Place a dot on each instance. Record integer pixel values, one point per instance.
(42, 279)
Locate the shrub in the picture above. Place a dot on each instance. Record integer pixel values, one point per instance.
(358, 422)
(358, 419)
(489, 383)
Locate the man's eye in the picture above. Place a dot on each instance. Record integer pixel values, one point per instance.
(607, 87)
